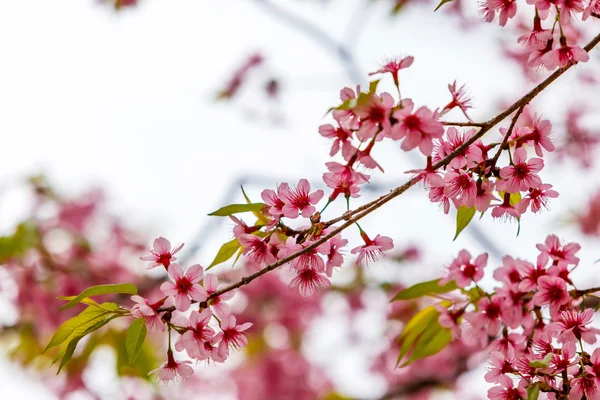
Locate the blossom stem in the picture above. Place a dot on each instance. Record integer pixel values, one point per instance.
(464, 124)
(504, 144)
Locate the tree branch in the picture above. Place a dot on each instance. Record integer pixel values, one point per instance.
(368, 208)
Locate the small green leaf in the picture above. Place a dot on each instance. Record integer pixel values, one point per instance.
(237, 208)
(475, 293)
(441, 4)
(533, 392)
(225, 253)
(88, 317)
(433, 340)
(136, 334)
(463, 218)
(422, 328)
(373, 86)
(125, 288)
(425, 289)
(518, 226)
(541, 363)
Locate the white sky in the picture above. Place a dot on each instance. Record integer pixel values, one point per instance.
(123, 101)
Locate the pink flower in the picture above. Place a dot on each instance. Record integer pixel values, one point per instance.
(563, 56)
(172, 369)
(460, 186)
(507, 8)
(450, 319)
(507, 209)
(509, 273)
(469, 157)
(553, 248)
(344, 180)
(465, 272)
(275, 200)
(196, 335)
(587, 386)
(257, 250)
(535, 39)
(436, 195)
(501, 365)
(531, 275)
(144, 309)
(308, 280)
(372, 249)
(522, 174)
(540, 136)
(374, 115)
(393, 66)
(299, 199)
(186, 285)
(567, 8)
(488, 316)
(218, 303)
(231, 336)
(538, 198)
(460, 99)
(593, 7)
(161, 253)
(342, 138)
(507, 391)
(331, 249)
(553, 291)
(417, 129)
(311, 259)
(571, 326)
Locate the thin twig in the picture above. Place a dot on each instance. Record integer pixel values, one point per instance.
(366, 209)
(504, 143)
(464, 124)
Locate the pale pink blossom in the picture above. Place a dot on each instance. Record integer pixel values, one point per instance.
(571, 326)
(161, 253)
(300, 200)
(556, 251)
(232, 336)
(552, 291)
(308, 280)
(218, 303)
(488, 316)
(185, 285)
(418, 129)
(275, 200)
(374, 115)
(564, 55)
(585, 385)
(332, 250)
(372, 249)
(522, 174)
(258, 250)
(171, 369)
(393, 66)
(146, 310)
(196, 335)
(465, 272)
(459, 185)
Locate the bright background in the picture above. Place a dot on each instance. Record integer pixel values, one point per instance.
(124, 101)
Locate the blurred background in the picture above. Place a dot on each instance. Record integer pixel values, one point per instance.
(121, 124)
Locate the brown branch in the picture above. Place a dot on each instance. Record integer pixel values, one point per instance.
(464, 124)
(504, 143)
(360, 212)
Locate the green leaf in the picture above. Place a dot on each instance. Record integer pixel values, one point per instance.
(373, 86)
(26, 236)
(136, 334)
(518, 226)
(533, 392)
(125, 288)
(463, 218)
(433, 340)
(423, 335)
(225, 253)
(425, 289)
(80, 323)
(475, 293)
(441, 4)
(541, 363)
(237, 208)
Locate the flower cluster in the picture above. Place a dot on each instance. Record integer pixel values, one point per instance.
(535, 323)
(198, 336)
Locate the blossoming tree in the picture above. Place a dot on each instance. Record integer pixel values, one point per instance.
(533, 328)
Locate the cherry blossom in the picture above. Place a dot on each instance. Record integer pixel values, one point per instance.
(185, 286)
(161, 253)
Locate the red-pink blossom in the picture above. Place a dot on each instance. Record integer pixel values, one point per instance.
(258, 250)
(470, 157)
(556, 251)
(585, 385)
(393, 66)
(300, 200)
(171, 369)
(465, 272)
(460, 186)
(342, 138)
(186, 285)
(563, 56)
(372, 249)
(538, 198)
(161, 253)
(571, 326)
(275, 200)
(232, 336)
(146, 310)
(374, 115)
(344, 180)
(460, 99)
(531, 274)
(332, 250)
(551, 291)
(218, 303)
(308, 280)
(418, 129)
(196, 335)
(507, 391)
(488, 315)
(522, 174)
